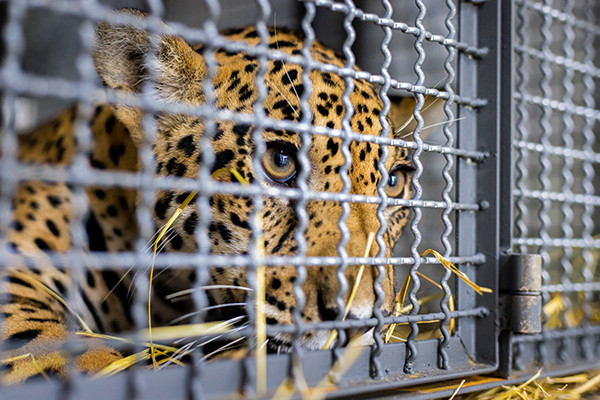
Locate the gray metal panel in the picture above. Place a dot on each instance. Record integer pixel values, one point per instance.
(220, 379)
(466, 196)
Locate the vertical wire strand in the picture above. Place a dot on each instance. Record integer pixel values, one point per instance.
(256, 246)
(147, 195)
(305, 167)
(522, 115)
(411, 354)
(80, 168)
(521, 134)
(589, 174)
(199, 297)
(444, 361)
(546, 166)
(567, 173)
(14, 44)
(345, 167)
(375, 365)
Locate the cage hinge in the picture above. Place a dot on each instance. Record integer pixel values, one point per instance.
(520, 293)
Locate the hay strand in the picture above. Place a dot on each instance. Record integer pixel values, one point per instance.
(334, 333)
(479, 289)
(160, 236)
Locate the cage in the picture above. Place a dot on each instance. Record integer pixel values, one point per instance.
(230, 280)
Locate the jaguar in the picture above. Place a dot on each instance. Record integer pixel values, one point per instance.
(41, 296)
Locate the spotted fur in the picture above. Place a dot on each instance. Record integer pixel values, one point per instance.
(44, 212)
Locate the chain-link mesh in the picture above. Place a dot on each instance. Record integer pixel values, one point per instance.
(424, 51)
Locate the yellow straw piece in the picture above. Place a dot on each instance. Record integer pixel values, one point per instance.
(334, 333)
(126, 362)
(123, 364)
(235, 173)
(457, 389)
(286, 389)
(341, 366)
(261, 325)
(164, 230)
(34, 362)
(260, 319)
(589, 385)
(398, 308)
(120, 339)
(428, 279)
(457, 272)
(181, 331)
(160, 236)
(580, 378)
(533, 378)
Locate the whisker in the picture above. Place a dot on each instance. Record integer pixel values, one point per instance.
(232, 331)
(401, 128)
(179, 354)
(215, 307)
(222, 335)
(170, 234)
(283, 95)
(212, 353)
(210, 287)
(146, 249)
(224, 324)
(412, 117)
(263, 345)
(284, 67)
(434, 125)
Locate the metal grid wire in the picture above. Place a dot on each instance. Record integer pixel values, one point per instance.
(556, 157)
(454, 161)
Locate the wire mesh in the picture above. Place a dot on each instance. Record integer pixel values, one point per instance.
(435, 339)
(555, 194)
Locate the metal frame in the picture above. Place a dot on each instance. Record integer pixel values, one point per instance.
(483, 182)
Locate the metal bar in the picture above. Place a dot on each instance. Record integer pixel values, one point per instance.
(132, 260)
(35, 85)
(558, 242)
(375, 367)
(132, 180)
(584, 155)
(547, 195)
(510, 214)
(411, 351)
(568, 180)
(568, 63)
(572, 287)
(521, 113)
(306, 140)
(488, 222)
(587, 272)
(548, 104)
(443, 359)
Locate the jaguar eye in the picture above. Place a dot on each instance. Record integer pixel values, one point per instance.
(396, 183)
(279, 164)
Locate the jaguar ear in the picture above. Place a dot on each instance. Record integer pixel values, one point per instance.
(403, 121)
(124, 55)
